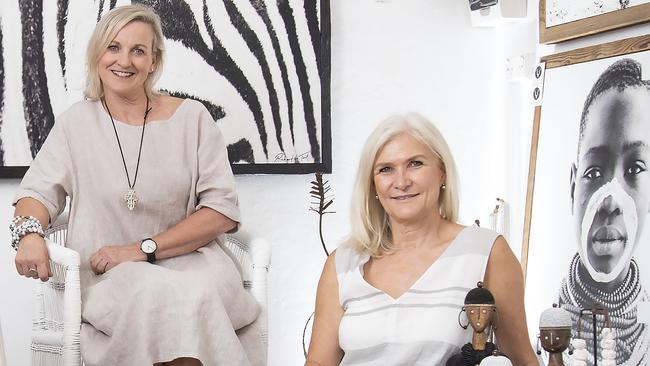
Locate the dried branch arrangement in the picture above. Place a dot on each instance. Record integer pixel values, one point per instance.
(323, 200)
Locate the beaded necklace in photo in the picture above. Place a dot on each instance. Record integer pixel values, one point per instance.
(130, 197)
(631, 337)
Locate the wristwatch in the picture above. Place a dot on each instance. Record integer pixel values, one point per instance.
(148, 247)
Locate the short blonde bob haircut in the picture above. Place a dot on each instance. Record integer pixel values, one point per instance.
(106, 30)
(370, 230)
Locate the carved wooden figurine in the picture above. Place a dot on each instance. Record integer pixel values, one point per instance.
(555, 333)
(481, 313)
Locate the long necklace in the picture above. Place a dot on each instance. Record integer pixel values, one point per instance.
(130, 197)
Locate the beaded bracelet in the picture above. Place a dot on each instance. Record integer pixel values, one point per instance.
(17, 219)
(28, 226)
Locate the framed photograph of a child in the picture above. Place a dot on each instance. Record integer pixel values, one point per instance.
(586, 225)
(561, 20)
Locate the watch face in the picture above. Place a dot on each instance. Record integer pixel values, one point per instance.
(148, 246)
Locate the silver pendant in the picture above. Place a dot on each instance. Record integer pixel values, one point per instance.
(131, 199)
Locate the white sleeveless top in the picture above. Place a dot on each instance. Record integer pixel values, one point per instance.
(421, 326)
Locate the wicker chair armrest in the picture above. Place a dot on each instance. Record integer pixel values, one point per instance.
(261, 255)
(70, 260)
(62, 255)
(48, 338)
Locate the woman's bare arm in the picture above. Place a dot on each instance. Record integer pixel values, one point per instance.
(324, 346)
(505, 280)
(187, 236)
(32, 252)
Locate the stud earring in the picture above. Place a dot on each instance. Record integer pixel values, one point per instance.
(376, 196)
(443, 187)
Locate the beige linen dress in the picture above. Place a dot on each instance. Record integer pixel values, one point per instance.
(139, 313)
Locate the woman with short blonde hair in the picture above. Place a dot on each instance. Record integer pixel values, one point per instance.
(105, 32)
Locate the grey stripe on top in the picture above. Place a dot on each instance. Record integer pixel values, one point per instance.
(401, 354)
(353, 299)
(454, 288)
(412, 291)
(381, 308)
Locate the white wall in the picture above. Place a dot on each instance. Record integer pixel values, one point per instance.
(388, 56)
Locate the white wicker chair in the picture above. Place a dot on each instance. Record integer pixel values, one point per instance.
(57, 313)
(3, 360)
(57, 317)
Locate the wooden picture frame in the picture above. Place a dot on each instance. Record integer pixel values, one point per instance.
(590, 25)
(554, 247)
(586, 54)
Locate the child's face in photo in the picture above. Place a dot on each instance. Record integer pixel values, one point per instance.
(613, 160)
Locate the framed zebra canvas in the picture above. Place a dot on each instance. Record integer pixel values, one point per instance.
(261, 67)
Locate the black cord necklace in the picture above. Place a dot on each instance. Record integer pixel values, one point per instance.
(130, 198)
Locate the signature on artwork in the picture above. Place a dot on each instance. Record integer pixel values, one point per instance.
(295, 158)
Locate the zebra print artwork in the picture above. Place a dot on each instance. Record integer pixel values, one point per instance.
(261, 68)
